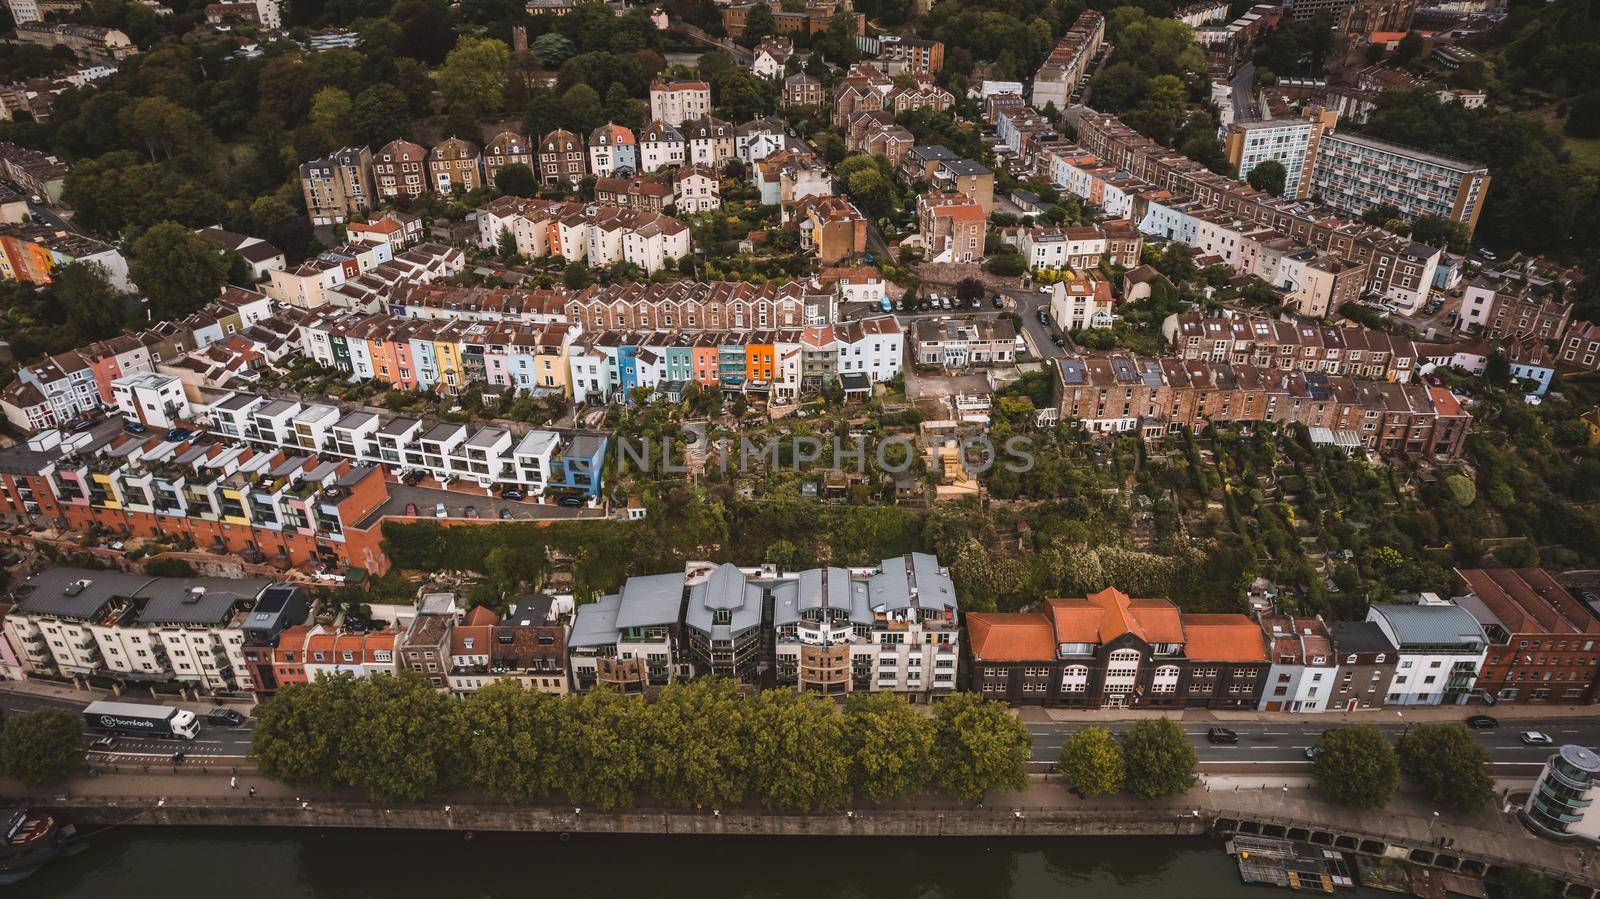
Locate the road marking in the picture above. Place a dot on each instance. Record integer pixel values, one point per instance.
(1275, 733)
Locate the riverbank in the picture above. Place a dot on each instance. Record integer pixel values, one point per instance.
(1408, 828)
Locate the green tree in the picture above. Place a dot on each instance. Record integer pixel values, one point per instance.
(379, 115)
(402, 739)
(474, 74)
(1091, 762)
(513, 749)
(872, 192)
(299, 733)
(553, 49)
(1160, 758)
(517, 180)
(890, 745)
(757, 25)
(1269, 176)
(1448, 764)
(795, 760)
(978, 745)
(1160, 113)
(177, 269)
(576, 276)
(166, 130)
(604, 738)
(93, 307)
(331, 114)
(1356, 766)
(698, 736)
(41, 747)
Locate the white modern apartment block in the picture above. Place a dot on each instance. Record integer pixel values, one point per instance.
(75, 622)
(154, 400)
(1289, 142)
(1441, 650)
(445, 451)
(1354, 174)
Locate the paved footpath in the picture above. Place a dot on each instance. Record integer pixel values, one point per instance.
(1492, 833)
(1416, 714)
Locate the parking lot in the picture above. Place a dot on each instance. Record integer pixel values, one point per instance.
(425, 502)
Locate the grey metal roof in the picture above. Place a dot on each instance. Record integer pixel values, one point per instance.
(487, 437)
(82, 592)
(76, 592)
(595, 624)
(443, 431)
(354, 420)
(912, 579)
(585, 446)
(817, 588)
(1431, 625)
(276, 407)
(200, 600)
(725, 590)
(354, 476)
(651, 600)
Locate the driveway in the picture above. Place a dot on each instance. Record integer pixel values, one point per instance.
(426, 499)
(1026, 304)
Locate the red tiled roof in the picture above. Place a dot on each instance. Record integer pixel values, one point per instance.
(1223, 638)
(1010, 636)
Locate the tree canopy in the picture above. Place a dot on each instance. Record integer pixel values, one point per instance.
(41, 747)
(1356, 766)
(1091, 762)
(1448, 765)
(1160, 759)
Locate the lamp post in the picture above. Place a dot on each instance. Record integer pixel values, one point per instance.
(1433, 820)
(1407, 729)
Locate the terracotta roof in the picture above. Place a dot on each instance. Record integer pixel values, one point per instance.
(1010, 636)
(1107, 615)
(1223, 638)
(1529, 601)
(471, 640)
(479, 616)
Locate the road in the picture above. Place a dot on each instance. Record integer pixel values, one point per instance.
(1244, 94)
(214, 745)
(1279, 746)
(1026, 304)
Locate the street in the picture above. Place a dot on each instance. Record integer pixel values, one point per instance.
(1279, 746)
(214, 745)
(1244, 94)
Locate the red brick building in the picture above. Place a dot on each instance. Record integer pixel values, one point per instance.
(1544, 644)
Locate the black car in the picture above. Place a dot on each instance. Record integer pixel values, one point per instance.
(1221, 735)
(224, 717)
(996, 302)
(412, 477)
(512, 493)
(1482, 722)
(177, 434)
(1044, 316)
(570, 501)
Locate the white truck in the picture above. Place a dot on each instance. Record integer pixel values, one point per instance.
(141, 720)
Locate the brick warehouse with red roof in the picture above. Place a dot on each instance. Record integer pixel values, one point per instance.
(1109, 651)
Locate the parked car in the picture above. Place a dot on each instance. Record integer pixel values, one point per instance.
(996, 302)
(1044, 316)
(1221, 735)
(439, 511)
(411, 510)
(413, 477)
(103, 744)
(512, 493)
(505, 514)
(224, 717)
(570, 501)
(1482, 722)
(1536, 738)
(177, 434)
(472, 511)
(134, 427)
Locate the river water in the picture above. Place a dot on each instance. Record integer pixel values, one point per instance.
(172, 863)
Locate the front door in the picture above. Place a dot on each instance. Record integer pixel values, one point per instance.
(1117, 701)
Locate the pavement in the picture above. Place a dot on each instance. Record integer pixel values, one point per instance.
(1492, 833)
(1276, 742)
